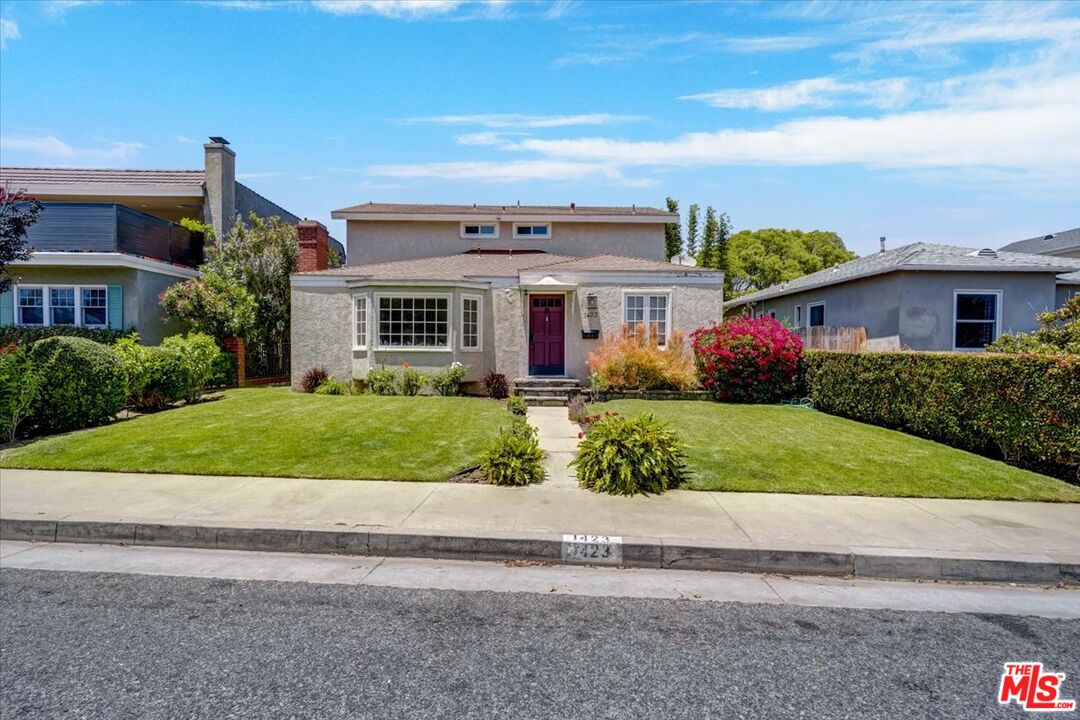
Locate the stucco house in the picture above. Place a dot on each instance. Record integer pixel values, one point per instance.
(1062, 244)
(108, 242)
(923, 296)
(526, 291)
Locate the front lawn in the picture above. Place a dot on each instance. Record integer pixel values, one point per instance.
(770, 448)
(275, 432)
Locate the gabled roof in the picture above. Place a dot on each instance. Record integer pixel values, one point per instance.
(20, 177)
(1048, 244)
(916, 256)
(503, 264)
(414, 211)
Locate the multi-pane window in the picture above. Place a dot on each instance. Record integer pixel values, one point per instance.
(976, 319)
(480, 230)
(31, 306)
(360, 328)
(542, 231)
(419, 322)
(94, 307)
(62, 306)
(470, 322)
(650, 311)
(816, 314)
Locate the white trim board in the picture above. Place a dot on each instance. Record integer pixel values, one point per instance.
(489, 218)
(106, 260)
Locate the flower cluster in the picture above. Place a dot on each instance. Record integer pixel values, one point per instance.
(748, 359)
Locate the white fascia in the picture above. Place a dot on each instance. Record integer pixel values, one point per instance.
(107, 260)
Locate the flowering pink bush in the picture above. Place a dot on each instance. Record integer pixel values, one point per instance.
(747, 359)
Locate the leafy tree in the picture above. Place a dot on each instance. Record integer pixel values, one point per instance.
(1059, 333)
(672, 232)
(722, 239)
(692, 231)
(17, 213)
(707, 256)
(211, 304)
(760, 258)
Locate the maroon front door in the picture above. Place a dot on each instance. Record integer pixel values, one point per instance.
(546, 335)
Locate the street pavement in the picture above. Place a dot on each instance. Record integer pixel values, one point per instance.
(109, 645)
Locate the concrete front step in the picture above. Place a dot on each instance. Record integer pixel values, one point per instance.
(546, 400)
(547, 382)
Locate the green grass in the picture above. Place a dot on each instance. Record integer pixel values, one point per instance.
(275, 432)
(770, 448)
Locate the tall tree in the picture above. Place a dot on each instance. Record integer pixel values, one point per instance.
(722, 241)
(672, 232)
(760, 258)
(692, 231)
(707, 256)
(17, 213)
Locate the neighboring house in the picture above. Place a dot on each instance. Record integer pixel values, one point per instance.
(523, 291)
(922, 296)
(1063, 244)
(107, 242)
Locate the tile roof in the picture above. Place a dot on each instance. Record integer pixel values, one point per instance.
(917, 256)
(500, 264)
(1055, 242)
(98, 176)
(483, 210)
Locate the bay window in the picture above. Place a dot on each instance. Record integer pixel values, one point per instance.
(421, 322)
(470, 322)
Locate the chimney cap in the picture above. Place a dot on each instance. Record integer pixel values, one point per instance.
(219, 140)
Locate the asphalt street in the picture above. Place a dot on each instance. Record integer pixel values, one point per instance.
(95, 645)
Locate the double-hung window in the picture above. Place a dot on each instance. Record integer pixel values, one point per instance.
(360, 336)
(816, 314)
(94, 307)
(651, 310)
(976, 314)
(479, 230)
(61, 306)
(470, 322)
(414, 322)
(532, 230)
(31, 306)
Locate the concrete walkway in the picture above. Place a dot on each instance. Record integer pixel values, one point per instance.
(559, 440)
(875, 537)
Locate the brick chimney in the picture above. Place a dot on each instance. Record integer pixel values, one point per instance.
(314, 245)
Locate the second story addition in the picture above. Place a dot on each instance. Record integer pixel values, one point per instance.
(386, 232)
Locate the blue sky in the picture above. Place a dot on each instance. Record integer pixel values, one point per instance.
(956, 122)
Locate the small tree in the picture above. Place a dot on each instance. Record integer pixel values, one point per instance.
(17, 213)
(1059, 333)
(707, 257)
(747, 359)
(211, 304)
(672, 232)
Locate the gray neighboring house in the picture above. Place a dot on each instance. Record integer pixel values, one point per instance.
(108, 241)
(923, 296)
(526, 291)
(1060, 244)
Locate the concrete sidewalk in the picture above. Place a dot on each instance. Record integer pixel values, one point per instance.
(760, 532)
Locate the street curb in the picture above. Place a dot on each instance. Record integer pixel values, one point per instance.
(633, 552)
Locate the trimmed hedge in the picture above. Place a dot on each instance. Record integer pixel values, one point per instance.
(1024, 409)
(26, 336)
(82, 384)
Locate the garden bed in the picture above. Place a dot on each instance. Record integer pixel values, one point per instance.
(606, 395)
(275, 432)
(772, 448)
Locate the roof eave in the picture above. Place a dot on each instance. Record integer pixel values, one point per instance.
(347, 214)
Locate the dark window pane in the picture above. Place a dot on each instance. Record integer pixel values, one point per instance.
(487, 229)
(817, 316)
(974, 334)
(63, 316)
(93, 316)
(472, 229)
(32, 316)
(540, 230)
(976, 307)
(525, 230)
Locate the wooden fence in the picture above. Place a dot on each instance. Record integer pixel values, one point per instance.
(837, 339)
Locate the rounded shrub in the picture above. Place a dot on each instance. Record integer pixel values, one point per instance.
(412, 381)
(628, 455)
(496, 385)
(748, 359)
(447, 380)
(516, 405)
(515, 458)
(81, 383)
(199, 354)
(333, 386)
(156, 376)
(382, 381)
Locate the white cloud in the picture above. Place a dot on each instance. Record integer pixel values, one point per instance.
(410, 9)
(52, 147)
(59, 7)
(486, 138)
(9, 30)
(514, 120)
(619, 48)
(812, 92)
(501, 171)
(186, 140)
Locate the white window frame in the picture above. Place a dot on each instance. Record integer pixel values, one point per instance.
(480, 236)
(647, 293)
(997, 316)
(46, 313)
(479, 347)
(798, 316)
(377, 343)
(356, 321)
(530, 236)
(809, 313)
